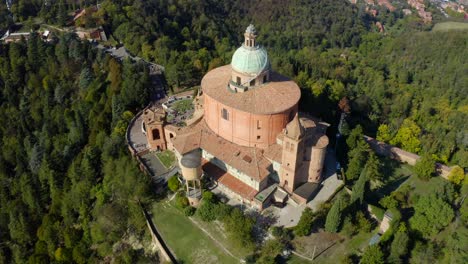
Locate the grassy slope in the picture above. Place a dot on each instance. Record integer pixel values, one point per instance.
(216, 230)
(334, 253)
(187, 241)
(446, 26)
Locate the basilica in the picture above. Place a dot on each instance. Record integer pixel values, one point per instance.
(246, 134)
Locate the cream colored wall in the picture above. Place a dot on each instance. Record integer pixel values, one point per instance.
(245, 79)
(190, 173)
(233, 171)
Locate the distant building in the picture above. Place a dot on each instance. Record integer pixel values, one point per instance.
(15, 37)
(96, 34)
(81, 12)
(247, 133)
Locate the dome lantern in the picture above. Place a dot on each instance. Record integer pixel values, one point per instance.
(250, 64)
(250, 35)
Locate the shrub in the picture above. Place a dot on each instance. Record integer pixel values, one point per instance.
(182, 202)
(425, 167)
(372, 255)
(239, 229)
(208, 196)
(173, 183)
(304, 227)
(206, 211)
(457, 175)
(348, 229)
(222, 211)
(363, 223)
(281, 233)
(270, 251)
(189, 211)
(388, 202)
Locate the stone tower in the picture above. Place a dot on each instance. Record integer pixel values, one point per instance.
(318, 152)
(292, 157)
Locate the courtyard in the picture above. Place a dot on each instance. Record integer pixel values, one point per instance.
(179, 109)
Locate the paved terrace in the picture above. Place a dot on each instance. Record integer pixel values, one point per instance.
(157, 170)
(289, 215)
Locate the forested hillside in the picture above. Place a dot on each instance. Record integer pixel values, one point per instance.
(69, 191)
(331, 48)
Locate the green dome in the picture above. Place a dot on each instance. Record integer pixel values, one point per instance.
(250, 60)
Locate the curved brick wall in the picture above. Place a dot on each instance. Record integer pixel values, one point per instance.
(245, 128)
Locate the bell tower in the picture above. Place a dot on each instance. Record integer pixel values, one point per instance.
(293, 151)
(250, 35)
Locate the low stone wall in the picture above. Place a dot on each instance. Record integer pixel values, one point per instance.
(164, 250)
(392, 152)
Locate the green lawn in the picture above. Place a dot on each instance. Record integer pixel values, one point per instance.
(216, 230)
(167, 158)
(422, 187)
(293, 259)
(187, 241)
(446, 26)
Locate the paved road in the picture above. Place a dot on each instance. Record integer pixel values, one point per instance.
(136, 137)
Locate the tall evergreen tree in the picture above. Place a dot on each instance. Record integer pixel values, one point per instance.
(333, 219)
(359, 187)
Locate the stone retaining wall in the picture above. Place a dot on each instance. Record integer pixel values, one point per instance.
(392, 152)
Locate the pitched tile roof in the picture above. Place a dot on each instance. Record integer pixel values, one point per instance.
(229, 181)
(276, 96)
(250, 161)
(274, 153)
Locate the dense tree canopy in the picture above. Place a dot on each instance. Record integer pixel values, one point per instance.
(431, 215)
(65, 108)
(70, 189)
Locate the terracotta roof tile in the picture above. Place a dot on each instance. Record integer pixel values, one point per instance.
(200, 136)
(276, 96)
(274, 152)
(229, 181)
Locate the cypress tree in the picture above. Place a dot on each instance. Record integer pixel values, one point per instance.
(333, 220)
(360, 187)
